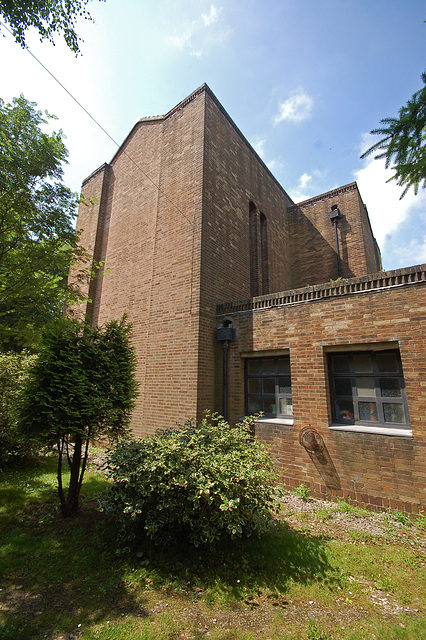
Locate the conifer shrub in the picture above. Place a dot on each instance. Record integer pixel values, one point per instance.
(82, 387)
(194, 484)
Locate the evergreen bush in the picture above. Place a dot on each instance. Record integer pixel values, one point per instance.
(192, 484)
(82, 387)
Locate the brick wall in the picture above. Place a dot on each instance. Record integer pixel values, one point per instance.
(314, 256)
(149, 237)
(234, 177)
(170, 221)
(372, 469)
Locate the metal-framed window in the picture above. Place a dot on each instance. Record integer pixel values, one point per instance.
(368, 387)
(268, 387)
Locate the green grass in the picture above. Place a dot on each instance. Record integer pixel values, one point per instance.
(344, 507)
(300, 582)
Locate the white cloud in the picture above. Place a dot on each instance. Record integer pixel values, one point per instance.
(387, 212)
(259, 147)
(297, 108)
(201, 34)
(275, 164)
(304, 180)
(412, 252)
(212, 17)
(179, 41)
(307, 186)
(389, 215)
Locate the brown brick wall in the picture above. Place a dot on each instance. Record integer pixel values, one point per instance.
(314, 256)
(378, 470)
(171, 223)
(91, 225)
(234, 176)
(151, 248)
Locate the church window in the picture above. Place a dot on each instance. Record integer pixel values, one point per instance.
(259, 262)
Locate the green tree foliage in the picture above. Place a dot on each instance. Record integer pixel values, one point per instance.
(47, 16)
(14, 447)
(194, 484)
(404, 143)
(37, 237)
(81, 387)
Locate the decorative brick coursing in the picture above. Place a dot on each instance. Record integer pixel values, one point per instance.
(391, 309)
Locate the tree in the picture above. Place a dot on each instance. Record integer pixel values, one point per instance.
(14, 447)
(37, 237)
(47, 16)
(404, 142)
(82, 386)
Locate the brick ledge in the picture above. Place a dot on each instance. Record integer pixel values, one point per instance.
(349, 286)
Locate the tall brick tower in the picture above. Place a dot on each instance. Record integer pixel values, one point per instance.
(184, 217)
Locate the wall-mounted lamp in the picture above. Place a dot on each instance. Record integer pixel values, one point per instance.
(334, 216)
(225, 334)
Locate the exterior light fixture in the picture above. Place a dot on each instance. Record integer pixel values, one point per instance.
(334, 216)
(225, 334)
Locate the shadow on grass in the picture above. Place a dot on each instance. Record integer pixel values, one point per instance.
(56, 574)
(273, 562)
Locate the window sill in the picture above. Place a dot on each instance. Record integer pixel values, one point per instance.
(384, 431)
(286, 421)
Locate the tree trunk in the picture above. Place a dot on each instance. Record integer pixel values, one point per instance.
(71, 506)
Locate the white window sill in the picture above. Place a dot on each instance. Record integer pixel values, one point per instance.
(383, 431)
(286, 421)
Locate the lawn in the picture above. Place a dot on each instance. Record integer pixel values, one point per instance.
(323, 571)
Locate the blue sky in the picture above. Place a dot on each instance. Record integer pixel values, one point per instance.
(304, 80)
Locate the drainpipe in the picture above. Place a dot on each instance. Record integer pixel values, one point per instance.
(225, 334)
(334, 217)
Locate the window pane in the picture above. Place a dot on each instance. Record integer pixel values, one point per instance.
(365, 387)
(284, 365)
(390, 387)
(363, 363)
(269, 405)
(343, 387)
(286, 407)
(345, 411)
(253, 405)
(368, 411)
(253, 385)
(387, 362)
(268, 366)
(269, 385)
(394, 412)
(253, 366)
(285, 385)
(341, 364)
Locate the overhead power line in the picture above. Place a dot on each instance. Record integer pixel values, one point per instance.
(101, 127)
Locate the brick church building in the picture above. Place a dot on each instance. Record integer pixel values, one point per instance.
(244, 302)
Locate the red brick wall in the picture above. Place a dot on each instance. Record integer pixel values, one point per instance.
(379, 470)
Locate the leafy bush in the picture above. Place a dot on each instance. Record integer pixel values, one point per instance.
(14, 446)
(193, 484)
